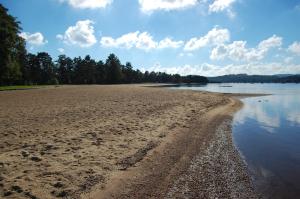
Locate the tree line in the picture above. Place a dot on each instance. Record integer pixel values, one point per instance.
(19, 67)
(244, 78)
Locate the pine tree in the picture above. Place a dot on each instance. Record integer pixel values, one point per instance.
(12, 49)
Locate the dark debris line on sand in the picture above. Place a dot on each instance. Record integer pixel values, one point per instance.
(138, 156)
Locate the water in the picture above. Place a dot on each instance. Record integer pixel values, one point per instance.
(266, 132)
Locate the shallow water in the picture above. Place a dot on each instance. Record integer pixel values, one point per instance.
(266, 132)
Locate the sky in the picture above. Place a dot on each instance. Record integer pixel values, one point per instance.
(200, 37)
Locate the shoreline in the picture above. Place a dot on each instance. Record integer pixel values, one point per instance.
(235, 180)
(125, 140)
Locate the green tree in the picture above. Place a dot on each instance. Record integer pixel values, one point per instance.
(138, 76)
(128, 73)
(12, 48)
(85, 70)
(46, 67)
(113, 66)
(64, 69)
(90, 70)
(31, 72)
(78, 70)
(100, 73)
(176, 78)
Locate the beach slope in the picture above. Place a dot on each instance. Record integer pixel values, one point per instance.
(121, 141)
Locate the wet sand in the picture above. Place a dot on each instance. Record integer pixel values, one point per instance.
(121, 141)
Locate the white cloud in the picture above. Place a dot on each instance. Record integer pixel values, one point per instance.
(222, 5)
(237, 50)
(295, 48)
(214, 70)
(145, 41)
(148, 6)
(88, 4)
(139, 40)
(82, 34)
(61, 50)
(134, 39)
(60, 37)
(288, 60)
(36, 39)
(125, 41)
(271, 42)
(216, 36)
(218, 52)
(169, 43)
(186, 54)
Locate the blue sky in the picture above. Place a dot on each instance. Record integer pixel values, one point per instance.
(205, 37)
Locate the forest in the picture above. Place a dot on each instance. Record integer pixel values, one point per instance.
(18, 67)
(244, 78)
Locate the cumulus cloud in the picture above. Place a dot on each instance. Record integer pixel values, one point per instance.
(288, 60)
(169, 43)
(219, 52)
(82, 34)
(88, 4)
(139, 40)
(152, 5)
(214, 70)
(134, 39)
(125, 41)
(237, 50)
(216, 36)
(222, 5)
(271, 42)
(36, 39)
(59, 36)
(186, 54)
(149, 6)
(295, 48)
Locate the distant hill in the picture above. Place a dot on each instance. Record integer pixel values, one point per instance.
(289, 79)
(189, 79)
(244, 78)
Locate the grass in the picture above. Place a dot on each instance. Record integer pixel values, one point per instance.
(20, 87)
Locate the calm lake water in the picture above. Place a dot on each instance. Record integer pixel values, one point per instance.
(266, 132)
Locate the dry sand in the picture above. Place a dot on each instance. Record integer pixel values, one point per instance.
(122, 141)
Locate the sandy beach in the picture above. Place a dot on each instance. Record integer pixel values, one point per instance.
(120, 141)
